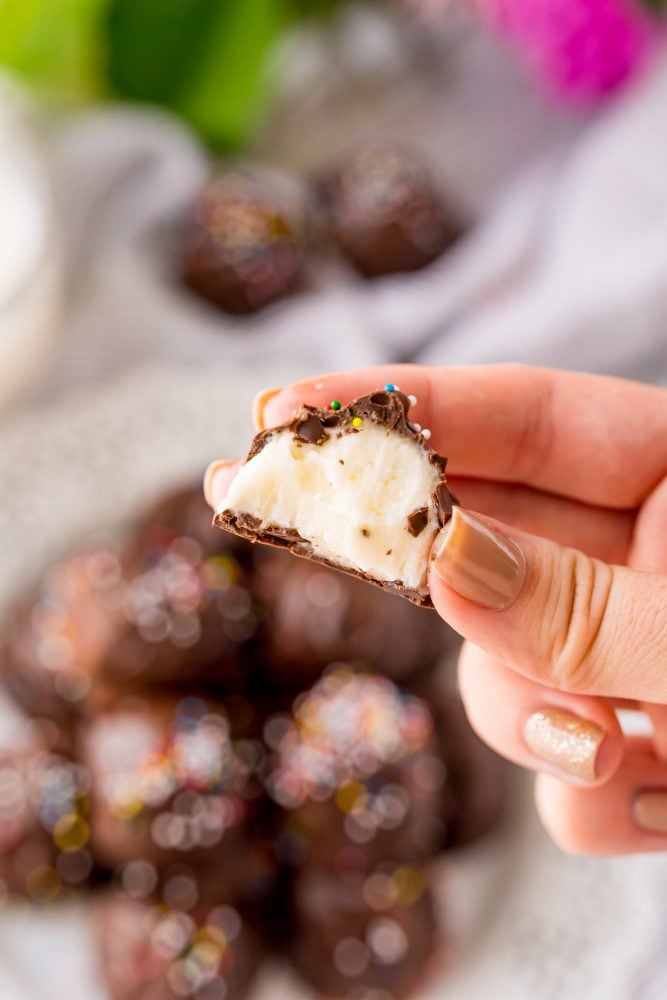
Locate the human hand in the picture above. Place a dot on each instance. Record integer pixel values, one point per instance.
(563, 600)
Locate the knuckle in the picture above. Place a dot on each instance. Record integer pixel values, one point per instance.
(580, 601)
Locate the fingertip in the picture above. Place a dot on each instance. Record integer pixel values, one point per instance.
(259, 406)
(217, 478)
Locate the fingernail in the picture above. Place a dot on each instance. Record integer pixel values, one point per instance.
(477, 562)
(568, 742)
(649, 809)
(259, 406)
(210, 475)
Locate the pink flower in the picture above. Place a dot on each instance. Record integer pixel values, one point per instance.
(583, 49)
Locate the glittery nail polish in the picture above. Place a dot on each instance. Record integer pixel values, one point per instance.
(567, 741)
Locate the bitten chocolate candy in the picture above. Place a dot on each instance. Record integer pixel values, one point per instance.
(242, 244)
(369, 936)
(385, 212)
(354, 487)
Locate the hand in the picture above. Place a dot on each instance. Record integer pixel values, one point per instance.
(562, 596)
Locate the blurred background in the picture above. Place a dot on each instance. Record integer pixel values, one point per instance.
(200, 199)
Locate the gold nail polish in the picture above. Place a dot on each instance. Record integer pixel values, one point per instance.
(259, 405)
(649, 809)
(479, 563)
(567, 741)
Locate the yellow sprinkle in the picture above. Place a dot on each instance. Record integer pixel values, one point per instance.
(356, 421)
(348, 794)
(43, 883)
(410, 883)
(71, 833)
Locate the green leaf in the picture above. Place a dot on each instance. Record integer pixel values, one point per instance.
(203, 58)
(54, 44)
(227, 91)
(153, 45)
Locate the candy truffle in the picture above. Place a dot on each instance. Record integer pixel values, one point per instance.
(385, 212)
(357, 770)
(167, 785)
(315, 617)
(187, 612)
(478, 777)
(171, 606)
(44, 825)
(242, 244)
(355, 487)
(160, 952)
(364, 937)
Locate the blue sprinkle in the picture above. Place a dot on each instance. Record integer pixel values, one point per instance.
(389, 387)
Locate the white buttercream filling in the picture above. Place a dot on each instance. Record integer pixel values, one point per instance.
(349, 497)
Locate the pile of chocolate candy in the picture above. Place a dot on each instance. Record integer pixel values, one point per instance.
(245, 241)
(233, 752)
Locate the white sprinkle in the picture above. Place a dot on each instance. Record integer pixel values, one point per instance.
(426, 433)
(397, 388)
(417, 427)
(412, 400)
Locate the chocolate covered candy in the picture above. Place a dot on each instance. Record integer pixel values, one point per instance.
(315, 617)
(355, 487)
(242, 243)
(385, 212)
(172, 606)
(363, 937)
(44, 824)
(167, 786)
(187, 612)
(357, 770)
(161, 952)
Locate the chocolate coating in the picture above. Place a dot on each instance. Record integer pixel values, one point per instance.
(357, 935)
(384, 211)
(241, 246)
(382, 408)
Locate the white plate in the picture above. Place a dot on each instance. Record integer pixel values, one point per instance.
(523, 921)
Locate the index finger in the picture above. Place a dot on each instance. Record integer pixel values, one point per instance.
(588, 437)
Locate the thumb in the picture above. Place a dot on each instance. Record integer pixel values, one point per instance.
(552, 613)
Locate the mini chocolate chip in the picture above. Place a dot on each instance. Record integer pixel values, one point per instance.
(443, 498)
(388, 552)
(365, 532)
(311, 430)
(341, 462)
(417, 521)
